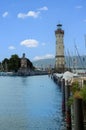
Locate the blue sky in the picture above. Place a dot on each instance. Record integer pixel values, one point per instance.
(28, 26)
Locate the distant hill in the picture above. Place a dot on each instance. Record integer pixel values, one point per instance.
(44, 63)
(73, 62)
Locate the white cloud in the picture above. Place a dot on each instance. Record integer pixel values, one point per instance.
(11, 48)
(47, 56)
(78, 7)
(43, 8)
(33, 14)
(21, 15)
(28, 14)
(5, 14)
(29, 43)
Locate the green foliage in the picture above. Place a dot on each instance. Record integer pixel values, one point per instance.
(78, 92)
(29, 64)
(75, 86)
(70, 101)
(14, 63)
(75, 92)
(83, 93)
(5, 62)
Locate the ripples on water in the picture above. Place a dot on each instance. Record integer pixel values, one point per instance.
(30, 103)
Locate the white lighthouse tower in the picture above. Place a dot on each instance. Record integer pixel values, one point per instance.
(59, 58)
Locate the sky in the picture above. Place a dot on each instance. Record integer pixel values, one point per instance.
(28, 26)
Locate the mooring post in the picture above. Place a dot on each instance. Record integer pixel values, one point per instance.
(78, 114)
(63, 95)
(68, 108)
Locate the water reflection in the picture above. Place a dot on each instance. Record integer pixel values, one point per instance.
(30, 103)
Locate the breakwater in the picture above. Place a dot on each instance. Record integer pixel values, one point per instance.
(73, 88)
(31, 73)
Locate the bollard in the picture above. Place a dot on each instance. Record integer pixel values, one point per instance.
(63, 95)
(78, 114)
(67, 107)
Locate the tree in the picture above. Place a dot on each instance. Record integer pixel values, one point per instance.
(14, 63)
(29, 64)
(5, 64)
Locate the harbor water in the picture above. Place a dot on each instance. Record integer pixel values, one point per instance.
(30, 103)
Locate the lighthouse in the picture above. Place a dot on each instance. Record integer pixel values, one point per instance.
(59, 58)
